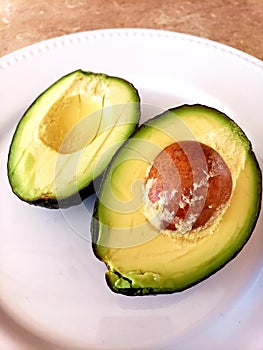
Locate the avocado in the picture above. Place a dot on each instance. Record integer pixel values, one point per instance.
(132, 232)
(67, 137)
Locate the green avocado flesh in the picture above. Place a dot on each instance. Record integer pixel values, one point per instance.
(68, 135)
(140, 258)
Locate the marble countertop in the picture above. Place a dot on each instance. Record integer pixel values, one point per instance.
(237, 23)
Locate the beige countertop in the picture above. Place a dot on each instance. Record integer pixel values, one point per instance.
(237, 23)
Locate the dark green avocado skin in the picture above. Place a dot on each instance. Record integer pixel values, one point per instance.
(132, 291)
(64, 203)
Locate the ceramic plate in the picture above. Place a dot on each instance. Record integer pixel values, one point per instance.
(52, 288)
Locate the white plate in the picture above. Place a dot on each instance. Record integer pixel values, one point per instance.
(52, 288)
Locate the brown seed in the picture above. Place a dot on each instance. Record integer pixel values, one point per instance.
(192, 182)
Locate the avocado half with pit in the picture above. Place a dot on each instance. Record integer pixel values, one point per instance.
(68, 135)
(178, 201)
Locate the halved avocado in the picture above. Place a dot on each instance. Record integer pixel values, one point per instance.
(68, 135)
(142, 259)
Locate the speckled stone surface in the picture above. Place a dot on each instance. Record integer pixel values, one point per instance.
(237, 23)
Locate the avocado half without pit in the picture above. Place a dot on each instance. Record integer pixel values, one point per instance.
(68, 135)
(178, 201)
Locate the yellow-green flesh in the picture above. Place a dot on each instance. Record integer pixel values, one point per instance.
(69, 134)
(165, 261)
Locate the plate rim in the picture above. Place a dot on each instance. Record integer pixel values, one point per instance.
(67, 39)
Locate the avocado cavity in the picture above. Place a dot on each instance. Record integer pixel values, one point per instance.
(66, 116)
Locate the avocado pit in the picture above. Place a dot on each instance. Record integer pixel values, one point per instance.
(187, 187)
